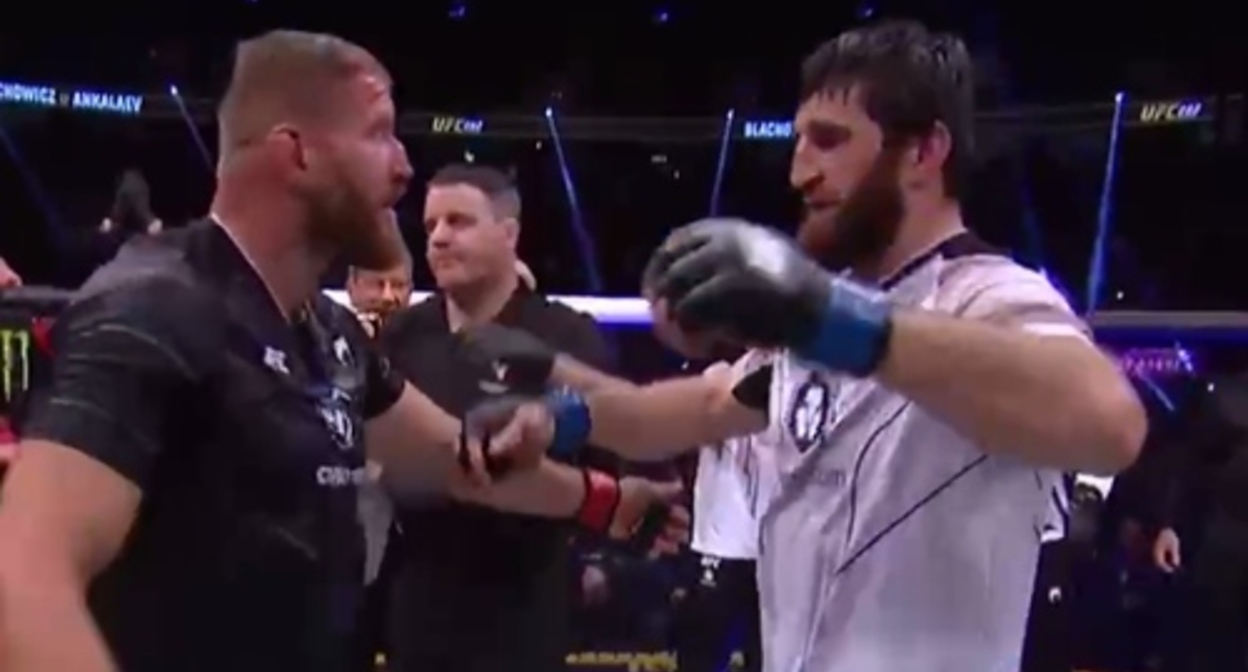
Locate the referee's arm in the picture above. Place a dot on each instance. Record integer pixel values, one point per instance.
(92, 437)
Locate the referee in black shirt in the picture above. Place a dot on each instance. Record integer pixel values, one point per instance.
(454, 605)
(185, 497)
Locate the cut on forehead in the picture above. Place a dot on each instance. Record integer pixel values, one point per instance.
(289, 76)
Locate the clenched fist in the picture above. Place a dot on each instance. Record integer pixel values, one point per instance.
(649, 514)
(505, 434)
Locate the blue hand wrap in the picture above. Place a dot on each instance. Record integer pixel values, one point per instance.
(572, 422)
(853, 331)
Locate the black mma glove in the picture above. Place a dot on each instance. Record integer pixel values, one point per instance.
(480, 423)
(568, 410)
(754, 285)
(527, 359)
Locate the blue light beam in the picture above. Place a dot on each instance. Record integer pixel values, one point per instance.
(725, 142)
(1104, 215)
(191, 126)
(584, 241)
(35, 187)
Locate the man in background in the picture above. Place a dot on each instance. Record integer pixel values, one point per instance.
(731, 489)
(376, 295)
(8, 277)
(1201, 517)
(131, 213)
(475, 590)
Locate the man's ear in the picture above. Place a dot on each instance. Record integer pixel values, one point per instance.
(511, 230)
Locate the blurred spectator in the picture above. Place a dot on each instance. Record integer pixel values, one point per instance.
(625, 601)
(376, 295)
(1202, 526)
(8, 277)
(131, 213)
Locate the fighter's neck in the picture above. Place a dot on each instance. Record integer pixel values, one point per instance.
(477, 305)
(289, 267)
(916, 236)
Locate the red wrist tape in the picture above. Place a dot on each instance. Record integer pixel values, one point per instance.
(602, 496)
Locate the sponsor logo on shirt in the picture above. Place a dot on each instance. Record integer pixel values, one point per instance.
(810, 412)
(335, 411)
(335, 476)
(276, 360)
(342, 352)
(15, 360)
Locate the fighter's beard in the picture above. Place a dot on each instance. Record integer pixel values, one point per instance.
(864, 228)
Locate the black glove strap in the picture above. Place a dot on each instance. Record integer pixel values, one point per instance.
(651, 526)
(495, 467)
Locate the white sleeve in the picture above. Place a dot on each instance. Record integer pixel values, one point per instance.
(1015, 296)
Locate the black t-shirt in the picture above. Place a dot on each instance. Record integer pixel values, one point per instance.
(462, 550)
(175, 368)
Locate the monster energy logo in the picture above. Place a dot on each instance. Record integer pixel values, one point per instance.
(14, 362)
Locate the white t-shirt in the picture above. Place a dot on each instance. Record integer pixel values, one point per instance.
(894, 544)
(733, 483)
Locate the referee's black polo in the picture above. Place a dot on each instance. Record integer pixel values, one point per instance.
(467, 571)
(175, 368)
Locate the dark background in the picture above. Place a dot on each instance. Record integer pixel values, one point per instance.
(1047, 77)
(644, 88)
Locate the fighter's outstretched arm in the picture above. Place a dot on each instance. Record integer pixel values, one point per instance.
(662, 419)
(419, 440)
(1052, 398)
(640, 422)
(1014, 369)
(416, 443)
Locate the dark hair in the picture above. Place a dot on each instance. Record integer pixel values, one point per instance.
(497, 186)
(909, 79)
(132, 204)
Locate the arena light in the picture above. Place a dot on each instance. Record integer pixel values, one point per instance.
(193, 128)
(1159, 362)
(606, 309)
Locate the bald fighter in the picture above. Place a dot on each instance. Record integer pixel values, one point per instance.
(928, 393)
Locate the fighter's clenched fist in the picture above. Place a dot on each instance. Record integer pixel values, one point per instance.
(750, 284)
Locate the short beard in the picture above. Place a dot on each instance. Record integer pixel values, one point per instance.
(346, 229)
(865, 226)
